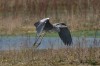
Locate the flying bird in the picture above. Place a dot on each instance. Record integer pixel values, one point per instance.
(43, 26)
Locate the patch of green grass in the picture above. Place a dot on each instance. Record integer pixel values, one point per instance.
(55, 34)
(86, 33)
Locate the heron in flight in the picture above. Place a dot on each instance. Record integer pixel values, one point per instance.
(43, 26)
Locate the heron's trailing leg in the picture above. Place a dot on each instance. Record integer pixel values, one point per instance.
(41, 39)
(36, 43)
(37, 38)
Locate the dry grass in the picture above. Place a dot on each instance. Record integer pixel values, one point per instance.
(50, 57)
(14, 14)
(21, 24)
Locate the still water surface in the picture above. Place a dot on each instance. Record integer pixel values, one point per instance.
(18, 42)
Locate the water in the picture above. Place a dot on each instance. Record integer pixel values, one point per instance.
(18, 42)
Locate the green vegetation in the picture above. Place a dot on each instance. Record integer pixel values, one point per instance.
(86, 33)
(74, 34)
(55, 34)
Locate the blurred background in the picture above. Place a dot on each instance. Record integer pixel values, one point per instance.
(17, 33)
(16, 15)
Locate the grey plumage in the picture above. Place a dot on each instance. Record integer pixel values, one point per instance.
(64, 33)
(43, 25)
(61, 28)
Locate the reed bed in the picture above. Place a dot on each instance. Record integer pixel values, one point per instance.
(77, 14)
(51, 57)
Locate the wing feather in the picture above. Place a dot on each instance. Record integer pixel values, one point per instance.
(65, 35)
(39, 27)
(42, 25)
(36, 24)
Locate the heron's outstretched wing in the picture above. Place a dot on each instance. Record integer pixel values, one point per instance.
(43, 24)
(36, 24)
(39, 27)
(63, 32)
(65, 35)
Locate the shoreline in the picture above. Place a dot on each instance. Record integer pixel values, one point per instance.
(84, 33)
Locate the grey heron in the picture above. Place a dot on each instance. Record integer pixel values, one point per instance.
(43, 26)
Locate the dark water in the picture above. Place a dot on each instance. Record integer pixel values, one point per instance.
(18, 42)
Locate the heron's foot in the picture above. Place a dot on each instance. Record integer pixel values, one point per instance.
(38, 44)
(35, 45)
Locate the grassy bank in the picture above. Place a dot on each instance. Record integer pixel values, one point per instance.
(55, 34)
(50, 57)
